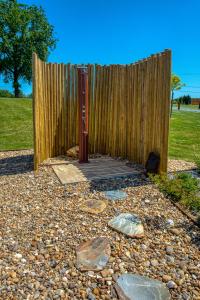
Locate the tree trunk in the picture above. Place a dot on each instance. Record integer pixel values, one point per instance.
(16, 85)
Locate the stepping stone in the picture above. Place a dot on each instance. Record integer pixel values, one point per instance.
(115, 195)
(93, 255)
(93, 206)
(128, 224)
(136, 287)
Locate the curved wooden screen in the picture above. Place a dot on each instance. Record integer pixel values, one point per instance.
(128, 108)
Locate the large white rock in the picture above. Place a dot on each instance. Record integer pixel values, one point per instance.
(93, 206)
(136, 287)
(115, 195)
(93, 255)
(128, 224)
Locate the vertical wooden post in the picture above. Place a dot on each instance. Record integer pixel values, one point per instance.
(35, 112)
(83, 114)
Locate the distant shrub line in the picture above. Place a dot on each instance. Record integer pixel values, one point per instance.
(8, 94)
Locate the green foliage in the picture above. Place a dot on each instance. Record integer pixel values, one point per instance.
(184, 99)
(196, 148)
(5, 94)
(23, 30)
(182, 188)
(176, 83)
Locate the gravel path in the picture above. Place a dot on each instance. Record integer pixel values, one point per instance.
(180, 165)
(41, 226)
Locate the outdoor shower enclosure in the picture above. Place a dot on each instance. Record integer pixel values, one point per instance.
(128, 108)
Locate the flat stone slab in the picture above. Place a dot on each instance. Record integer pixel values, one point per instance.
(93, 206)
(93, 255)
(128, 224)
(96, 169)
(136, 287)
(115, 195)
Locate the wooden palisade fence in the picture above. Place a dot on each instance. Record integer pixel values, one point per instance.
(128, 108)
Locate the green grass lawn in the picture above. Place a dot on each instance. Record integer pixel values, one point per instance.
(16, 129)
(184, 135)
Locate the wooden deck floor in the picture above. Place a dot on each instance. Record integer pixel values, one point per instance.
(99, 168)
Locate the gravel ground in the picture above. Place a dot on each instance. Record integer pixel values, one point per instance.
(41, 226)
(180, 165)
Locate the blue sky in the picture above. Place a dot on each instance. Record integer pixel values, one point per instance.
(116, 31)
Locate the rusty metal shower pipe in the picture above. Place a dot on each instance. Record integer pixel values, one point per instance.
(83, 113)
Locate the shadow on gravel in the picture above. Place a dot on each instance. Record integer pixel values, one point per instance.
(16, 165)
(193, 232)
(118, 183)
(159, 223)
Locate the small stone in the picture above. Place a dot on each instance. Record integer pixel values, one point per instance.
(169, 250)
(60, 292)
(65, 279)
(166, 278)
(175, 231)
(121, 265)
(170, 222)
(53, 263)
(188, 238)
(182, 265)
(96, 291)
(171, 284)
(83, 294)
(181, 273)
(147, 201)
(143, 247)
(185, 296)
(147, 264)
(179, 282)
(170, 259)
(13, 274)
(111, 259)
(91, 274)
(106, 273)
(18, 255)
(154, 262)
(72, 285)
(91, 297)
(36, 295)
(128, 254)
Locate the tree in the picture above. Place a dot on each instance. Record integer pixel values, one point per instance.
(176, 85)
(186, 99)
(23, 30)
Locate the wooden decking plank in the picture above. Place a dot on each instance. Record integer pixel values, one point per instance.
(95, 170)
